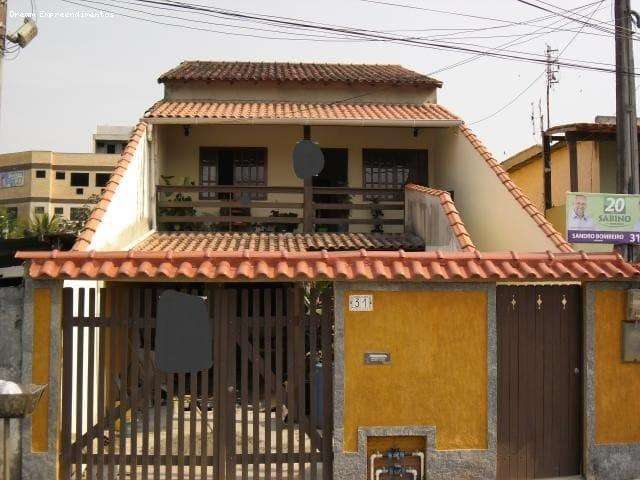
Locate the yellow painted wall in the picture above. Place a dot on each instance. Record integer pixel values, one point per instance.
(617, 384)
(179, 155)
(41, 366)
(588, 171)
(438, 370)
(529, 179)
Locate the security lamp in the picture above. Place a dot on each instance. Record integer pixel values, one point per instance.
(25, 33)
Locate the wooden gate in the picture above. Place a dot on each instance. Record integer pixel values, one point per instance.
(539, 381)
(264, 409)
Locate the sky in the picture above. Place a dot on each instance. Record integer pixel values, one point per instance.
(88, 67)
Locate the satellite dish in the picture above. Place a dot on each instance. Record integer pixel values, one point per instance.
(308, 160)
(183, 335)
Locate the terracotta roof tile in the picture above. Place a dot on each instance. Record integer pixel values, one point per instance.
(87, 232)
(209, 71)
(276, 242)
(450, 210)
(353, 265)
(302, 111)
(518, 194)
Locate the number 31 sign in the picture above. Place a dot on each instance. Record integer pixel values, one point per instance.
(360, 303)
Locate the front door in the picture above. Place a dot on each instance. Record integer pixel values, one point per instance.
(539, 381)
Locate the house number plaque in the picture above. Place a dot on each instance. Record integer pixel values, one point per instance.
(360, 303)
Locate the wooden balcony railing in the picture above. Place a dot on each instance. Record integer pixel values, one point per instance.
(235, 208)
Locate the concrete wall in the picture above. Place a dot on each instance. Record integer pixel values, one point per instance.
(494, 219)
(129, 215)
(425, 217)
(41, 356)
(295, 92)
(440, 384)
(50, 192)
(588, 171)
(11, 317)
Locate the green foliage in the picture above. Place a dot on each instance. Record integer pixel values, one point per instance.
(8, 225)
(178, 211)
(43, 225)
(75, 226)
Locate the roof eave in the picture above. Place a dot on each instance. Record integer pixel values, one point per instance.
(297, 121)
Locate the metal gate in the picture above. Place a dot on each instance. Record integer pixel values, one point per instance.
(264, 409)
(539, 381)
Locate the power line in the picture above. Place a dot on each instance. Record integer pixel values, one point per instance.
(535, 80)
(366, 34)
(562, 12)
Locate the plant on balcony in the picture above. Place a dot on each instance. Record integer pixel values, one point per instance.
(376, 213)
(330, 213)
(178, 211)
(282, 227)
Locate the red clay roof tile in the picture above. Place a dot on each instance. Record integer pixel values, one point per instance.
(303, 111)
(358, 265)
(209, 71)
(276, 242)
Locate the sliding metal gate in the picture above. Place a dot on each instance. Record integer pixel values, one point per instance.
(264, 409)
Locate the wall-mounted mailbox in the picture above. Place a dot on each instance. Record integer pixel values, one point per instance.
(631, 341)
(377, 358)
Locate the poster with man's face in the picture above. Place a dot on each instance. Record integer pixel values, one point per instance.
(603, 218)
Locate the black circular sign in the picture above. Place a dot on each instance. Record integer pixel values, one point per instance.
(308, 160)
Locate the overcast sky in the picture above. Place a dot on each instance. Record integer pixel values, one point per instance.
(80, 72)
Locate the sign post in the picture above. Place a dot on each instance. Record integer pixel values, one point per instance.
(603, 218)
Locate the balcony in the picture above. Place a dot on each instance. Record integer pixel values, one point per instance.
(279, 209)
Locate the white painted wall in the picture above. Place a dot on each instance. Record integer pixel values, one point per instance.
(494, 219)
(128, 217)
(424, 217)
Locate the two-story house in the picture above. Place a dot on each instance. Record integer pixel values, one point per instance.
(405, 313)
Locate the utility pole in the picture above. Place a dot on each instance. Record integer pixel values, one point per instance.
(552, 78)
(628, 171)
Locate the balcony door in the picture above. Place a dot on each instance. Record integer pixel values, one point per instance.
(334, 174)
(237, 166)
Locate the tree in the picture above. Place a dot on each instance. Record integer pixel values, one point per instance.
(74, 226)
(42, 226)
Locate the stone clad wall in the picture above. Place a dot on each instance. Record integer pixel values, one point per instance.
(11, 315)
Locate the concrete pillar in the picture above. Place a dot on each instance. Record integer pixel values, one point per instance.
(41, 357)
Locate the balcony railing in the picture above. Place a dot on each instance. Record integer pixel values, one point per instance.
(244, 208)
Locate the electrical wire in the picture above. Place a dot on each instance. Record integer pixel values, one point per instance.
(253, 28)
(367, 34)
(604, 28)
(535, 80)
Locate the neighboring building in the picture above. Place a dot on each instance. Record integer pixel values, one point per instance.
(36, 182)
(409, 304)
(110, 139)
(582, 157)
